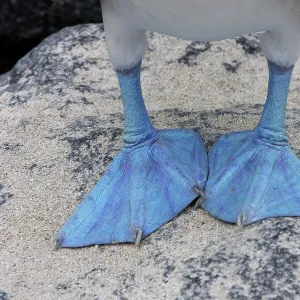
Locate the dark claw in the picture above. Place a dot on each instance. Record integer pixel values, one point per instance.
(198, 204)
(56, 243)
(200, 200)
(241, 221)
(198, 191)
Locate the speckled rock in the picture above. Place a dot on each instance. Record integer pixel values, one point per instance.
(61, 124)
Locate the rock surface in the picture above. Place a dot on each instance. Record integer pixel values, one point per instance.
(61, 124)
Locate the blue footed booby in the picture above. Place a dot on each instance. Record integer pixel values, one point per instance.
(247, 176)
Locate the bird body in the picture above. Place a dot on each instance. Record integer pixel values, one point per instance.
(126, 21)
(196, 19)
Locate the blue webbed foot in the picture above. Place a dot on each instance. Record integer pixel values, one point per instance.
(153, 178)
(146, 185)
(253, 175)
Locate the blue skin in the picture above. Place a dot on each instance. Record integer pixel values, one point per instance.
(154, 177)
(254, 175)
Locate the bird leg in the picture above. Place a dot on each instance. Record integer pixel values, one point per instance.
(151, 180)
(254, 175)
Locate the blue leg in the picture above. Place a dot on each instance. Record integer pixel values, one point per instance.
(154, 177)
(254, 175)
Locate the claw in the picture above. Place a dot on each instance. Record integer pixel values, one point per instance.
(198, 191)
(198, 204)
(56, 243)
(138, 236)
(241, 220)
(201, 198)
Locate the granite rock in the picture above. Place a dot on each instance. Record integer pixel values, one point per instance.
(61, 124)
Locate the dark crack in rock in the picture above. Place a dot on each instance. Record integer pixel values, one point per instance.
(250, 43)
(93, 145)
(193, 50)
(10, 146)
(4, 196)
(232, 67)
(63, 286)
(126, 283)
(169, 269)
(3, 295)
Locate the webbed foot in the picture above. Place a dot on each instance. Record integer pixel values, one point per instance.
(146, 185)
(253, 175)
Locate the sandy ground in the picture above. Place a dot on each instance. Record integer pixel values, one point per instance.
(60, 126)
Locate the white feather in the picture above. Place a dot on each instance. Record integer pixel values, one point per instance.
(126, 21)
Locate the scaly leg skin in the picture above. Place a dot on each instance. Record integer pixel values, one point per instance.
(254, 175)
(153, 178)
